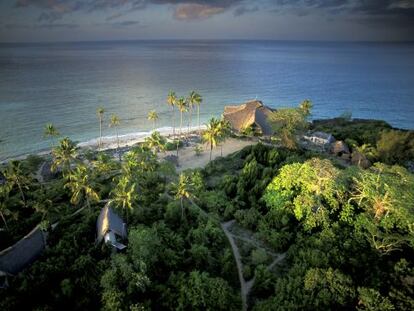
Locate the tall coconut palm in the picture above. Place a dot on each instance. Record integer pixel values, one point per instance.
(306, 107)
(16, 178)
(153, 116)
(51, 132)
(64, 155)
(171, 101)
(80, 183)
(124, 195)
(182, 190)
(115, 122)
(224, 132)
(212, 134)
(182, 107)
(100, 113)
(195, 99)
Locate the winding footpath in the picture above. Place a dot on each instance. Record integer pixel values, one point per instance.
(245, 286)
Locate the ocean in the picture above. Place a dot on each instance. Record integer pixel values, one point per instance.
(64, 83)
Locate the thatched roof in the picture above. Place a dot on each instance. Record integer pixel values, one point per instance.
(248, 114)
(360, 160)
(340, 147)
(46, 171)
(109, 221)
(17, 257)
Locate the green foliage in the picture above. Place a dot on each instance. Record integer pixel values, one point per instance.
(288, 123)
(308, 190)
(395, 146)
(372, 300)
(360, 131)
(200, 291)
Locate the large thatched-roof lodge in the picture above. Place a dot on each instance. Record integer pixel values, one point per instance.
(250, 114)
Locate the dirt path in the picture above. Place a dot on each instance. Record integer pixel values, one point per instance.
(246, 286)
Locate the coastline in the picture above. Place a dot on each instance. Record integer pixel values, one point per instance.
(110, 142)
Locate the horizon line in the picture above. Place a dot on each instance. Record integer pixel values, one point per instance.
(208, 40)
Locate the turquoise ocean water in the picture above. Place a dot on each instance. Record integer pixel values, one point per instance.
(64, 83)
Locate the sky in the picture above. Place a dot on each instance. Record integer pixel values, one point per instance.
(313, 20)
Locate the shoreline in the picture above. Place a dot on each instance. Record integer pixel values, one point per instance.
(110, 142)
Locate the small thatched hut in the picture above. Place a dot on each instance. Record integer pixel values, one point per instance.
(340, 148)
(109, 225)
(360, 160)
(251, 114)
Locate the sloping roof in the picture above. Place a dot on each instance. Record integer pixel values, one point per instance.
(247, 114)
(17, 257)
(107, 221)
(322, 135)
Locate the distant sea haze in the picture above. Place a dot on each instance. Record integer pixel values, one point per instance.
(64, 83)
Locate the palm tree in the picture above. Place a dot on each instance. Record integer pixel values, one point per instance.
(182, 190)
(15, 177)
(50, 131)
(171, 101)
(104, 165)
(156, 142)
(224, 132)
(182, 107)
(306, 107)
(153, 116)
(196, 99)
(100, 112)
(115, 121)
(124, 194)
(64, 155)
(4, 210)
(212, 134)
(80, 184)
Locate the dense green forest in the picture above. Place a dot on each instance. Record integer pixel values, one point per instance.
(346, 233)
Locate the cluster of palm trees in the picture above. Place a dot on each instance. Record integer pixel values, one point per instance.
(183, 105)
(216, 133)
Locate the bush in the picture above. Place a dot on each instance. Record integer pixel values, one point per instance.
(170, 146)
(395, 146)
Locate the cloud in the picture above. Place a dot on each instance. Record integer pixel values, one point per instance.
(125, 23)
(189, 12)
(392, 12)
(388, 12)
(41, 26)
(184, 9)
(241, 10)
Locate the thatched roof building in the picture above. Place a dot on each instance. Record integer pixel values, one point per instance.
(251, 114)
(320, 138)
(339, 148)
(17, 257)
(109, 225)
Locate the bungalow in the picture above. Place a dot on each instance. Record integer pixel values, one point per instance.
(252, 114)
(321, 139)
(24, 252)
(109, 226)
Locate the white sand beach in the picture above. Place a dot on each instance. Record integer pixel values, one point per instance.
(187, 158)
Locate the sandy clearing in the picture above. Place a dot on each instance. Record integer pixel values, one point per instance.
(187, 158)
